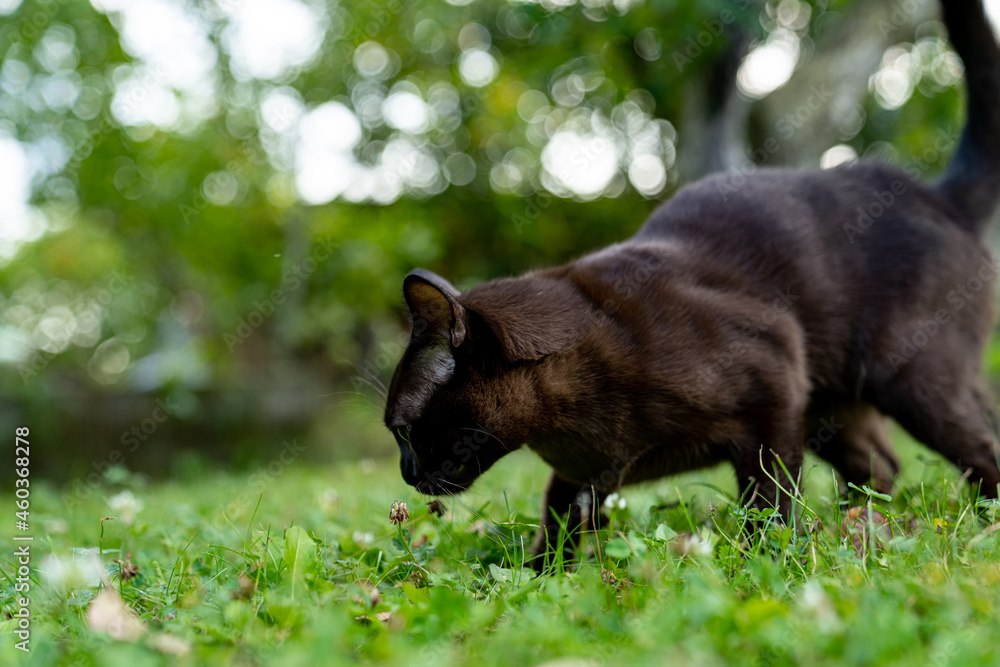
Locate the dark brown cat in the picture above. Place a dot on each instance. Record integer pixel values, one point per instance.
(746, 320)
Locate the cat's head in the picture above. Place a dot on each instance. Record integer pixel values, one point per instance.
(466, 392)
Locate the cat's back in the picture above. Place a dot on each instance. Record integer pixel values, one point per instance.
(787, 209)
(842, 229)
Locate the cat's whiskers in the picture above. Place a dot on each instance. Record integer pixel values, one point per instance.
(449, 492)
(482, 429)
(368, 378)
(376, 385)
(479, 516)
(356, 394)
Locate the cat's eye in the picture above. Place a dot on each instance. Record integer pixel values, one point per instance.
(403, 433)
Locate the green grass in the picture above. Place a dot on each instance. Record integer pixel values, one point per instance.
(277, 583)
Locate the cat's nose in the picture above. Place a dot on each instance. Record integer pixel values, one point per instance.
(408, 465)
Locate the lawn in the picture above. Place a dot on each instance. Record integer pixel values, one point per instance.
(299, 565)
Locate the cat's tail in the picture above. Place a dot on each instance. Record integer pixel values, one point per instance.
(972, 180)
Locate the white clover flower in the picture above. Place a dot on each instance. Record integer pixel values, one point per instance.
(125, 506)
(363, 539)
(55, 526)
(329, 499)
(814, 599)
(693, 545)
(615, 502)
(70, 571)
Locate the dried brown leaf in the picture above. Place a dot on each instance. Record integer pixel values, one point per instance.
(109, 615)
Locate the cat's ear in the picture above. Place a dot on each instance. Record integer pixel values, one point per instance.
(434, 307)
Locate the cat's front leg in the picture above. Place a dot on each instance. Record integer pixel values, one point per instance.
(767, 447)
(563, 506)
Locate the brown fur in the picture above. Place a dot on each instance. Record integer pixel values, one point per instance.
(745, 321)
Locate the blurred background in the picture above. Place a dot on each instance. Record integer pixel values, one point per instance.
(207, 207)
